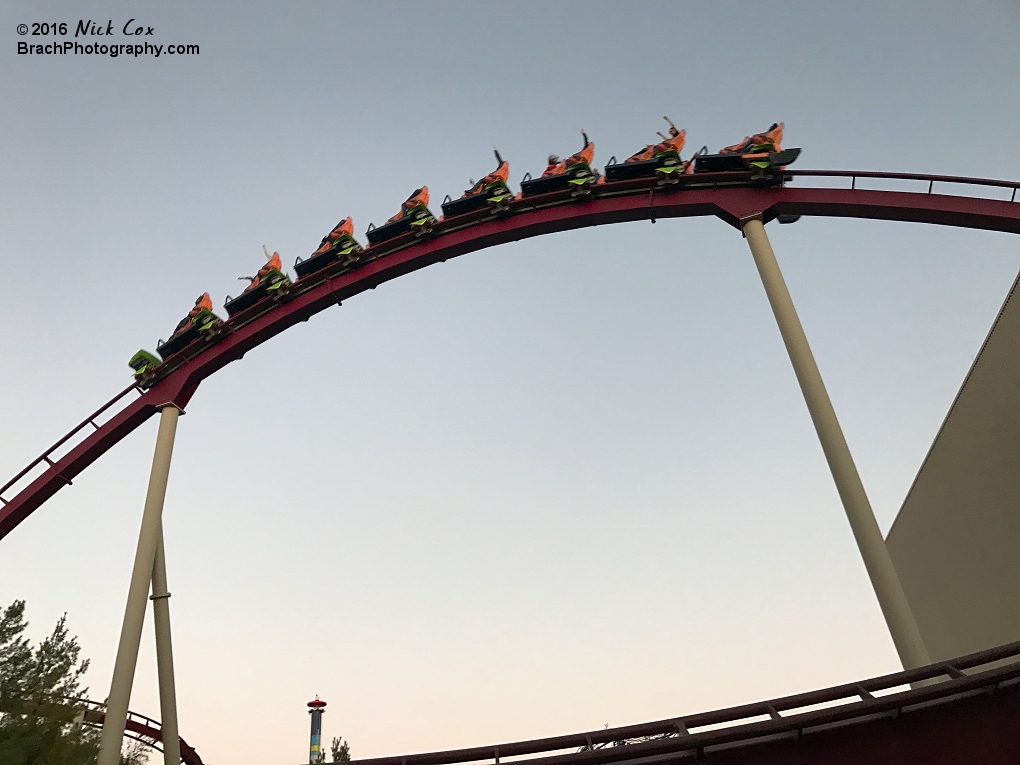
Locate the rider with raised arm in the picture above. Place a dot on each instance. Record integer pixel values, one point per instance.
(499, 175)
(770, 140)
(673, 142)
(585, 155)
(273, 264)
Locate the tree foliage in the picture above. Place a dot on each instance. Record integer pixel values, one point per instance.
(39, 723)
(341, 750)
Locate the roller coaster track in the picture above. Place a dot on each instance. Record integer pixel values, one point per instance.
(139, 727)
(853, 723)
(610, 203)
(617, 202)
(93, 713)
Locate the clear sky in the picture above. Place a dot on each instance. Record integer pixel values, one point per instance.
(562, 483)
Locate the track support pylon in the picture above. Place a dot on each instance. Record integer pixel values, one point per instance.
(165, 657)
(149, 567)
(884, 579)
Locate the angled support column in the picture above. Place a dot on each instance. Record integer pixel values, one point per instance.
(149, 537)
(884, 578)
(165, 658)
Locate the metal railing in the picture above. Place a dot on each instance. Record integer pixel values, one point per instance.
(46, 455)
(853, 175)
(789, 714)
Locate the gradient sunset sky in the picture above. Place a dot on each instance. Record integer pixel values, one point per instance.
(562, 483)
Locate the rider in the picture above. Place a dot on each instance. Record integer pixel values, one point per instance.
(673, 142)
(203, 303)
(555, 166)
(345, 226)
(419, 197)
(586, 154)
(271, 265)
(501, 173)
(773, 136)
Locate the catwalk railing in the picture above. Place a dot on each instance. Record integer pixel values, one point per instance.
(45, 457)
(939, 683)
(931, 180)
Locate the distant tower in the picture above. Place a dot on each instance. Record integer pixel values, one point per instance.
(316, 710)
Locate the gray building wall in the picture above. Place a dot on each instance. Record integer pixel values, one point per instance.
(956, 540)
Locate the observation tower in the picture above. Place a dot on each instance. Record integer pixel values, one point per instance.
(316, 709)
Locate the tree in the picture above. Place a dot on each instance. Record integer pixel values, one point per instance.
(341, 750)
(39, 722)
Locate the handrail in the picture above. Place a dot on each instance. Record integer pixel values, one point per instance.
(741, 722)
(45, 456)
(932, 179)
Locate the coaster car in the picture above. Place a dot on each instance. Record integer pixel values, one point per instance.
(575, 172)
(658, 160)
(199, 322)
(270, 281)
(761, 153)
(338, 245)
(143, 363)
(490, 192)
(414, 216)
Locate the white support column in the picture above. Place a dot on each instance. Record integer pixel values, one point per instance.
(134, 613)
(165, 658)
(884, 579)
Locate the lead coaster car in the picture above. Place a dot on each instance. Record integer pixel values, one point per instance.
(345, 249)
(759, 159)
(418, 219)
(204, 324)
(143, 363)
(273, 284)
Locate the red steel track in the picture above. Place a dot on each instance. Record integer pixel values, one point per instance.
(968, 718)
(138, 727)
(611, 203)
(669, 740)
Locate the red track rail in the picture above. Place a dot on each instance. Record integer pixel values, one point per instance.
(612, 203)
(748, 733)
(139, 727)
